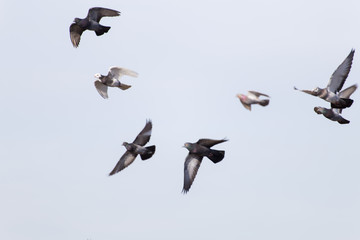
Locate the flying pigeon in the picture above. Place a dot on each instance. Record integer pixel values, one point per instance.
(253, 98)
(112, 80)
(334, 114)
(91, 22)
(337, 80)
(193, 160)
(135, 148)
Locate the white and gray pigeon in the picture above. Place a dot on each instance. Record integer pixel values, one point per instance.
(193, 160)
(253, 98)
(334, 114)
(337, 80)
(135, 148)
(91, 22)
(112, 80)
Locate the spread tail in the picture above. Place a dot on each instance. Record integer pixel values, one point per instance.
(148, 154)
(216, 155)
(344, 103)
(124, 86)
(102, 30)
(264, 102)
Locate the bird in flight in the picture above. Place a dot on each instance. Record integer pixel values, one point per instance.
(112, 79)
(198, 150)
(91, 22)
(135, 148)
(253, 98)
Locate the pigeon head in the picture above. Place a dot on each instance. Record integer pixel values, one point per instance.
(241, 96)
(188, 146)
(127, 146)
(319, 110)
(97, 75)
(77, 20)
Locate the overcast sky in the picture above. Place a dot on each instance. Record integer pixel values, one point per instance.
(288, 173)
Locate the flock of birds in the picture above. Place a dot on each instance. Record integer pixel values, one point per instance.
(202, 148)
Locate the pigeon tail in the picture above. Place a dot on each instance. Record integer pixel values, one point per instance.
(344, 103)
(343, 121)
(216, 155)
(148, 154)
(264, 102)
(124, 86)
(102, 30)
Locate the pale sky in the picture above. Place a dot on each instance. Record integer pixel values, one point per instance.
(288, 173)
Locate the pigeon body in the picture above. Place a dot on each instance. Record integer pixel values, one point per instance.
(193, 160)
(334, 114)
(337, 80)
(112, 80)
(135, 148)
(91, 22)
(253, 98)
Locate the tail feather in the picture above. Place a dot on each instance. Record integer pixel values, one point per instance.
(264, 102)
(343, 121)
(124, 86)
(148, 154)
(216, 155)
(102, 30)
(345, 103)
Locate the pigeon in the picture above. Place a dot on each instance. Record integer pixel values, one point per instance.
(135, 148)
(193, 160)
(91, 22)
(112, 80)
(337, 80)
(334, 114)
(253, 98)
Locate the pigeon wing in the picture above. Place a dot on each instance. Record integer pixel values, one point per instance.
(209, 142)
(144, 136)
(346, 93)
(97, 13)
(101, 88)
(338, 78)
(191, 166)
(258, 94)
(117, 72)
(75, 34)
(126, 159)
(247, 106)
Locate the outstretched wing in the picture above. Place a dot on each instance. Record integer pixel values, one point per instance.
(346, 93)
(75, 34)
(101, 88)
(97, 13)
(144, 136)
(338, 78)
(191, 166)
(210, 142)
(117, 72)
(124, 161)
(258, 94)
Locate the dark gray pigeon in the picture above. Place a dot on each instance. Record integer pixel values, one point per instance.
(334, 114)
(91, 22)
(112, 80)
(337, 80)
(135, 148)
(193, 160)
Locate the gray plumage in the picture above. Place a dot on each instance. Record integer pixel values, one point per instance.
(337, 80)
(253, 98)
(193, 160)
(135, 148)
(91, 22)
(112, 80)
(334, 114)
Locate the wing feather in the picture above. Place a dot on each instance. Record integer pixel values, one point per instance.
(338, 78)
(258, 94)
(144, 136)
(101, 88)
(126, 159)
(97, 13)
(117, 72)
(191, 167)
(75, 34)
(209, 142)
